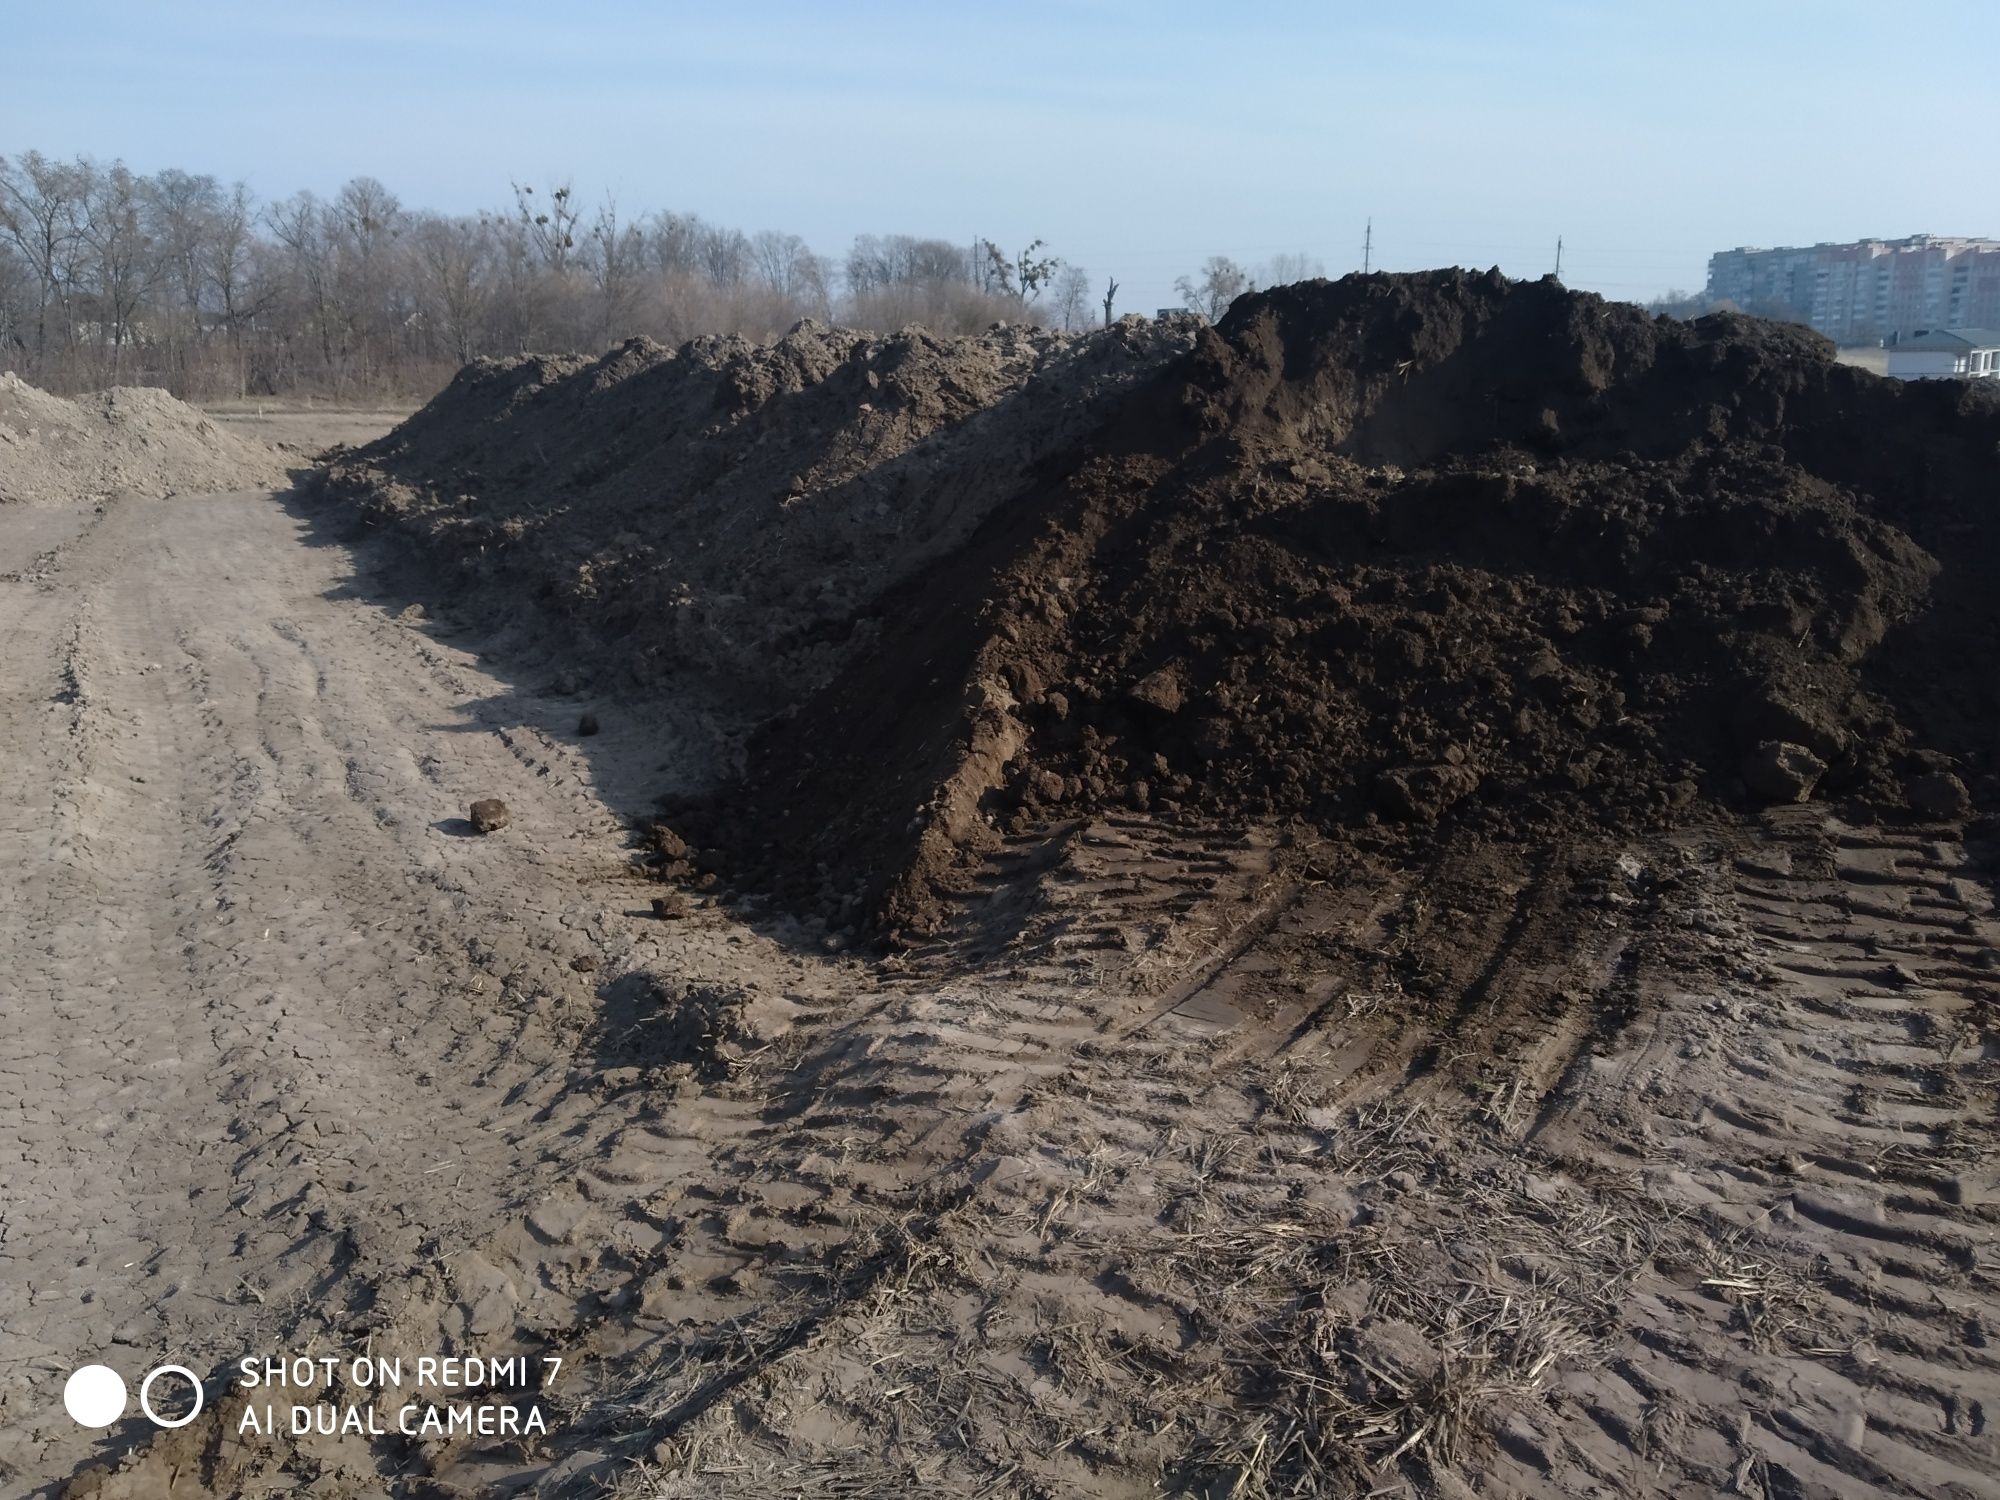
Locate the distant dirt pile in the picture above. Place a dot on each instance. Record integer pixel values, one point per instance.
(129, 439)
(1384, 553)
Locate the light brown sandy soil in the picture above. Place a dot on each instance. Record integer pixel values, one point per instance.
(281, 1035)
(126, 440)
(1193, 1160)
(304, 428)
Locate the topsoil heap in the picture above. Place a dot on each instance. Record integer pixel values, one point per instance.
(1392, 555)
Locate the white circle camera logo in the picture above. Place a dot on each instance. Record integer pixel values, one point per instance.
(95, 1396)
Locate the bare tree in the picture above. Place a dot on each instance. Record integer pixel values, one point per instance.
(1220, 283)
(671, 239)
(1110, 296)
(724, 255)
(615, 255)
(1023, 276)
(1072, 296)
(230, 263)
(1283, 270)
(121, 252)
(174, 279)
(518, 282)
(549, 224)
(299, 224)
(41, 214)
(782, 262)
(453, 255)
(364, 223)
(15, 295)
(181, 211)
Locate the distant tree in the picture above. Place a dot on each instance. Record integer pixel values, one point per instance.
(173, 278)
(454, 258)
(724, 255)
(1072, 296)
(181, 213)
(1283, 270)
(1110, 296)
(1024, 276)
(877, 262)
(1220, 283)
(550, 223)
(782, 262)
(230, 267)
(16, 294)
(670, 242)
(121, 251)
(41, 214)
(364, 226)
(614, 255)
(300, 225)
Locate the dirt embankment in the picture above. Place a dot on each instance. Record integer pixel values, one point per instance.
(1392, 551)
(129, 439)
(727, 516)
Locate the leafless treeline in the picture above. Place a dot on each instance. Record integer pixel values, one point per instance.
(178, 280)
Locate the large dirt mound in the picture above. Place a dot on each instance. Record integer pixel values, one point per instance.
(129, 439)
(724, 516)
(1378, 554)
(1403, 549)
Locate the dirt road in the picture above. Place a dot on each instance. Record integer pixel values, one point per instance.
(279, 1025)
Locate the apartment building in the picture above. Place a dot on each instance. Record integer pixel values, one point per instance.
(1869, 290)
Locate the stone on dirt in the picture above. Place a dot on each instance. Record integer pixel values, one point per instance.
(1779, 771)
(1160, 690)
(490, 815)
(1420, 794)
(1938, 794)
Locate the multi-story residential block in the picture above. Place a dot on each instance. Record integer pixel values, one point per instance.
(1870, 290)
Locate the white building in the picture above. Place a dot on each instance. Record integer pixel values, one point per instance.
(1941, 354)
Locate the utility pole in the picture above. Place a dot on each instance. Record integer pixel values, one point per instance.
(1368, 246)
(1559, 257)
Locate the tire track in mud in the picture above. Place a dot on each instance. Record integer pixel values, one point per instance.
(284, 1046)
(1585, 1130)
(1030, 1230)
(1824, 1118)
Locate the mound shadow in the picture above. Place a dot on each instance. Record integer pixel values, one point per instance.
(669, 732)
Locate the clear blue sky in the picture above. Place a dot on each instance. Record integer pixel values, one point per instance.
(1136, 138)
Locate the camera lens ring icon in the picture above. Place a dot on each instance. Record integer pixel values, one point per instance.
(146, 1391)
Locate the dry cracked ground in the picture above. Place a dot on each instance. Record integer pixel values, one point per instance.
(1198, 1161)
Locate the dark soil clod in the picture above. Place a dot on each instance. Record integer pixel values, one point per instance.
(490, 815)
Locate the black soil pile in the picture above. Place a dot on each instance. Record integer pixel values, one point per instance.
(1384, 554)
